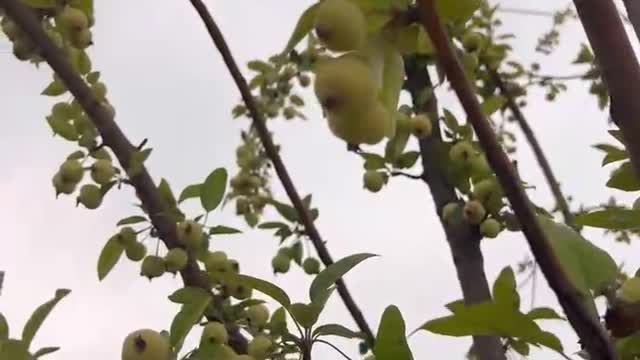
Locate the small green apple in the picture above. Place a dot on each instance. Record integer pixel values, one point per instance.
(311, 266)
(630, 290)
(190, 233)
(473, 212)
(61, 186)
(280, 263)
(449, 212)
(127, 236)
(490, 228)
(74, 18)
(135, 251)
(462, 152)
(258, 315)
(260, 347)
(373, 180)
(217, 261)
(421, 126)
(102, 171)
(214, 333)
(152, 266)
(90, 196)
(146, 344)
(176, 259)
(71, 171)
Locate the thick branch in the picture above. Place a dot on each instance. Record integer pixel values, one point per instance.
(463, 240)
(589, 330)
(281, 170)
(633, 12)
(115, 139)
(537, 150)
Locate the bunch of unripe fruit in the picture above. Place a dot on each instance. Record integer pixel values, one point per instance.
(281, 262)
(70, 174)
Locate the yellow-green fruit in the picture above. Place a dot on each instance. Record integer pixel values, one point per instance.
(74, 18)
(242, 206)
(259, 347)
(99, 90)
(449, 211)
(462, 152)
(152, 266)
(490, 228)
(136, 251)
(484, 189)
(146, 344)
(102, 171)
(258, 315)
(370, 357)
(217, 261)
(61, 186)
(190, 233)
(214, 333)
(82, 39)
(480, 167)
(373, 180)
(369, 126)
(62, 110)
(403, 122)
(630, 290)
(421, 126)
(23, 49)
(345, 86)
(340, 25)
(176, 259)
(280, 263)
(473, 212)
(90, 196)
(71, 171)
(311, 266)
(240, 291)
(472, 41)
(127, 236)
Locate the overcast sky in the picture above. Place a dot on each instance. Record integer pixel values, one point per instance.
(169, 85)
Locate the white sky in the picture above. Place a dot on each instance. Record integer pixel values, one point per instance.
(169, 85)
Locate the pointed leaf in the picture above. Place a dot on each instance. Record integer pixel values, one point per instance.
(213, 189)
(189, 295)
(190, 192)
(303, 27)
(333, 273)
(187, 317)
(135, 219)
(459, 10)
(267, 288)
(493, 104)
(454, 306)
(336, 330)
(45, 351)
(613, 218)
(624, 178)
(391, 341)
(4, 328)
(544, 313)
(272, 225)
(303, 314)
(39, 315)
(287, 211)
(109, 256)
(13, 349)
(55, 88)
(223, 230)
(504, 289)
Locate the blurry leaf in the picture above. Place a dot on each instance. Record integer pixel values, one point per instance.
(13, 349)
(190, 192)
(189, 295)
(450, 120)
(396, 145)
(109, 257)
(45, 351)
(624, 178)
(336, 330)
(55, 88)
(372, 161)
(333, 273)
(135, 219)
(543, 313)
(408, 159)
(504, 289)
(189, 315)
(213, 189)
(392, 78)
(4, 328)
(287, 211)
(272, 225)
(303, 314)
(136, 163)
(459, 10)
(493, 104)
(613, 153)
(520, 347)
(266, 288)
(223, 230)
(39, 315)
(391, 341)
(613, 218)
(40, 4)
(303, 27)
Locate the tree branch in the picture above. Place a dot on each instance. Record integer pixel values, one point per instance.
(463, 240)
(589, 330)
(281, 170)
(537, 150)
(116, 140)
(633, 13)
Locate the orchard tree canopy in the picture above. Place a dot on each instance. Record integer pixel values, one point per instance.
(357, 179)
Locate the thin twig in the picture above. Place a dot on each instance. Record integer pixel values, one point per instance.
(116, 140)
(407, 175)
(333, 346)
(589, 330)
(278, 164)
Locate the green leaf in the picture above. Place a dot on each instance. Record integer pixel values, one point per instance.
(135, 219)
(450, 120)
(372, 161)
(408, 159)
(189, 315)
(223, 230)
(4, 328)
(189, 295)
(459, 10)
(545, 313)
(392, 78)
(336, 330)
(76, 155)
(13, 349)
(136, 163)
(493, 104)
(391, 341)
(213, 189)
(613, 218)
(321, 301)
(613, 153)
(333, 273)
(84, 5)
(93, 77)
(288, 212)
(411, 40)
(278, 322)
(303, 27)
(45, 351)
(504, 289)
(454, 306)
(521, 347)
(167, 194)
(109, 257)
(40, 4)
(55, 88)
(190, 192)
(624, 178)
(303, 314)
(39, 315)
(272, 225)
(267, 288)
(396, 145)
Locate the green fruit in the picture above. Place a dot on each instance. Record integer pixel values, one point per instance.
(280, 263)
(480, 168)
(369, 126)
(234, 266)
(240, 291)
(71, 171)
(373, 180)
(136, 251)
(258, 315)
(62, 110)
(345, 86)
(462, 152)
(23, 49)
(102, 171)
(242, 206)
(215, 278)
(630, 290)
(260, 347)
(176, 260)
(61, 186)
(473, 212)
(74, 18)
(146, 344)
(490, 228)
(370, 357)
(90, 196)
(214, 333)
(449, 211)
(152, 266)
(472, 41)
(190, 233)
(340, 25)
(127, 236)
(311, 266)
(217, 261)
(82, 39)
(484, 189)
(99, 90)
(421, 126)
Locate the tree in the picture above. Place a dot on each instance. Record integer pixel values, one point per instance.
(363, 55)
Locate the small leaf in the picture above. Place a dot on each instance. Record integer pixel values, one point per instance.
(135, 219)
(336, 330)
(267, 288)
(189, 295)
(408, 159)
(189, 315)
(223, 230)
(109, 257)
(287, 211)
(55, 88)
(504, 289)
(613, 218)
(493, 104)
(543, 313)
(13, 349)
(624, 178)
(450, 120)
(303, 27)
(76, 155)
(303, 314)
(272, 225)
(93, 77)
(213, 189)
(521, 347)
(45, 351)
(4, 328)
(333, 273)
(391, 341)
(136, 163)
(454, 306)
(166, 193)
(39, 315)
(190, 192)
(372, 161)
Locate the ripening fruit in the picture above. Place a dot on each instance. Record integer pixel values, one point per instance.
(217, 261)
(630, 290)
(190, 233)
(369, 126)
(99, 90)
(490, 228)
(462, 152)
(484, 189)
(127, 236)
(71, 171)
(340, 25)
(176, 259)
(214, 333)
(449, 211)
(280, 263)
(258, 315)
(311, 266)
(473, 212)
(61, 186)
(471, 41)
(421, 126)
(260, 347)
(152, 266)
(102, 171)
(240, 291)
(146, 344)
(345, 86)
(373, 180)
(82, 39)
(90, 196)
(136, 251)
(74, 18)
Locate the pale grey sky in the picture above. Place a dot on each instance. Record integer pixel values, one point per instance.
(169, 85)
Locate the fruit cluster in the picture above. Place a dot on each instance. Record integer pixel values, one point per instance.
(71, 173)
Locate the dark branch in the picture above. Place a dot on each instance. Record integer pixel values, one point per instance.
(281, 170)
(407, 175)
(589, 330)
(633, 13)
